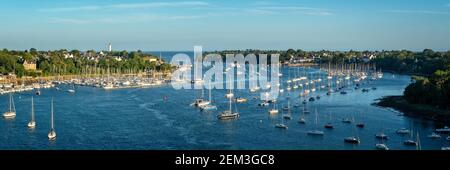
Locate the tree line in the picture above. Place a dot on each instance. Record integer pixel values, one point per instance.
(51, 63)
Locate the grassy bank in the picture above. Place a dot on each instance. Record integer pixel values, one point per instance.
(416, 110)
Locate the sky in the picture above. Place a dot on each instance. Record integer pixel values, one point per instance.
(179, 25)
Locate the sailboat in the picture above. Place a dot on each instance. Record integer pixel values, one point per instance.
(274, 110)
(381, 146)
(316, 132)
(11, 113)
(32, 123)
(229, 94)
(352, 139)
(200, 102)
(208, 106)
(228, 114)
(434, 136)
(72, 90)
(360, 124)
(302, 118)
(329, 125)
(52, 133)
(410, 141)
(288, 115)
(281, 125)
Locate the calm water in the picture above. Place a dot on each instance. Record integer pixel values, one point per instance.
(141, 119)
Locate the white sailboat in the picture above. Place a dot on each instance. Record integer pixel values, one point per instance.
(274, 110)
(72, 90)
(352, 139)
(316, 132)
(230, 94)
(302, 119)
(32, 123)
(209, 106)
(228, 114)
(200, 102)
(281, 125)
(11, 113)
(329, 125)
(52, 134)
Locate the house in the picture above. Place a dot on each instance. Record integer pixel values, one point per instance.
(368, 58)
(66, 56)
(29, 65)
(150, 59)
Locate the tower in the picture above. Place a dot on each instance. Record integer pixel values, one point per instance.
(110, 47)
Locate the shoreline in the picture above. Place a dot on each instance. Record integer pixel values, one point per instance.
(398, 103)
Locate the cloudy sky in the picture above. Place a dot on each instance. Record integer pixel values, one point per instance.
(225, 24)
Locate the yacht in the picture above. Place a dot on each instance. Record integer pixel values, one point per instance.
(254, 89)
(107, 86)
(287, 116)
(434, 136)
(32, 123)
(381, 135)
(281, 126)
(443, 130)
(228, 114)
(316, 132)
(346, 120)
(302, 120)
(381, 146)
(445, 148)
(241, 100)
(11, 113)
(52, 134)
(208, 107)
(229, 95)
(410, 142)
(352, 140)
(403, 131)
(360, 125)
(274, 110)
(329, 126)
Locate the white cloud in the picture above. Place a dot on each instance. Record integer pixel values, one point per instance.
(128, 6)
(160, 5)
(419, 12)
(295, 9)
(71, 9)
(126, 19)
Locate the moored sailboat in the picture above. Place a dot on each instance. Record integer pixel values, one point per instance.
(11, 113)
(32, 123)
(52, 134)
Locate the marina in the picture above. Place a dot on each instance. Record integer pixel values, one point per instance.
(131, 118)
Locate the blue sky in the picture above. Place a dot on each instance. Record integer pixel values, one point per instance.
(226, 24)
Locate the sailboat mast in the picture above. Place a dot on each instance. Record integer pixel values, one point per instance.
(32, 109)
(210, 92)
(52, 126)
(10, 102)
(230, 104)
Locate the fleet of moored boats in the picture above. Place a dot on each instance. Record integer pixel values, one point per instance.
(338, 79)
